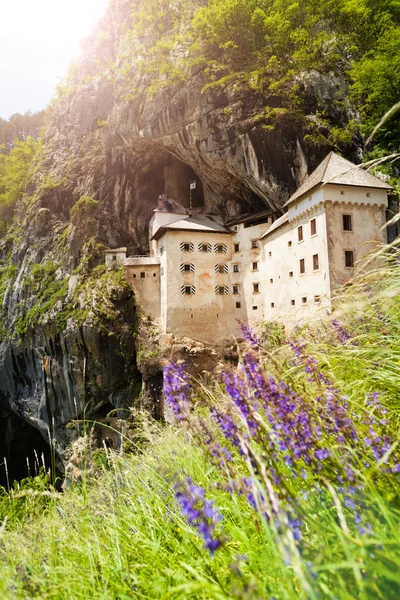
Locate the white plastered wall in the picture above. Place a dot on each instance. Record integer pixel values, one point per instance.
(294, 299)
(143, 274)
(115, 257)
(252, 306)
(367, 208)
(204, 315)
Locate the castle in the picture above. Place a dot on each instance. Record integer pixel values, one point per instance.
(204, 277)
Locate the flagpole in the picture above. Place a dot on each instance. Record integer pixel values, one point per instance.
(192, 186)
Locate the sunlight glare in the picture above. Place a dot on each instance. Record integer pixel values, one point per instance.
(38, 40)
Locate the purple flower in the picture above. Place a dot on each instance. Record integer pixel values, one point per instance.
(177, 390)
(322, 454)
(199, 512)
(250, 336)
(342, 334)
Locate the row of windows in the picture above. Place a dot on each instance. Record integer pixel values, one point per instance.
(304, 300)
(220, 290)
(143, 275)
(189, 247)
(302, 263)
(223, 291)
(190, 268)
(347, 223)
(300, 232)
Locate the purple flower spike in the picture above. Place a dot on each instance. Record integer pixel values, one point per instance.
(177, 390)
(250, 336)
(321, 454)
(342, 334)
(199, 512)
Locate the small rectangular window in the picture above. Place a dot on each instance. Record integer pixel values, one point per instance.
(272, 304)
(254, 244)
(187, 268)
(347, 223)
(317, 299)
(204, 248)
(114, 257)
(236, 247)
(293, 302)
(221, 290)
(289, 244)
(290, 274)
(220, 248)
(313, 227)
(256, 288)
(185, 247)
(134, 276)
(300, 233)
(255, 266)
(341, 192)
(304, 300)
(270, 254)
(188, 289)
(315, 260)
(368, 194)
(271, 280)
(221, 268)
(349, 258)
(238, 305)
(154, 274)
(236, 268)
(302, 266)
(235, 290)
(255, 307)
(142, 275)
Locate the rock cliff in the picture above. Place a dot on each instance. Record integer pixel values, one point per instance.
(111, 142)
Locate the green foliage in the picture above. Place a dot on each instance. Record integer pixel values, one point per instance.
(26, 501)
(8, 274)
(264, 46)
(19, 128)
(49, 294)
(85, 208)
(376, 86)
(14, 175)
(95, 298)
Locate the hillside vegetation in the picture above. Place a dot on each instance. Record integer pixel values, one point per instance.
(280, 482)
(268, 45)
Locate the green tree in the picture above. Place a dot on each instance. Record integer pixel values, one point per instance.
(14, 174)
(20, 127)
(376, 87)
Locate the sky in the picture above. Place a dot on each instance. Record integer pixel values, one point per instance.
(38, 40)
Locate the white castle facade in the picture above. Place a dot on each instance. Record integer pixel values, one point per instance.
(204, 277)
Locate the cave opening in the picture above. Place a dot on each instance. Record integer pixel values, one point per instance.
(23, 450)
(169, 175)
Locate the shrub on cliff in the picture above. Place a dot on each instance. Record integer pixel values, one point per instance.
(83, 210)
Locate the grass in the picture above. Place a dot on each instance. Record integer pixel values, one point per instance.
(124, 537)
(326, 528)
